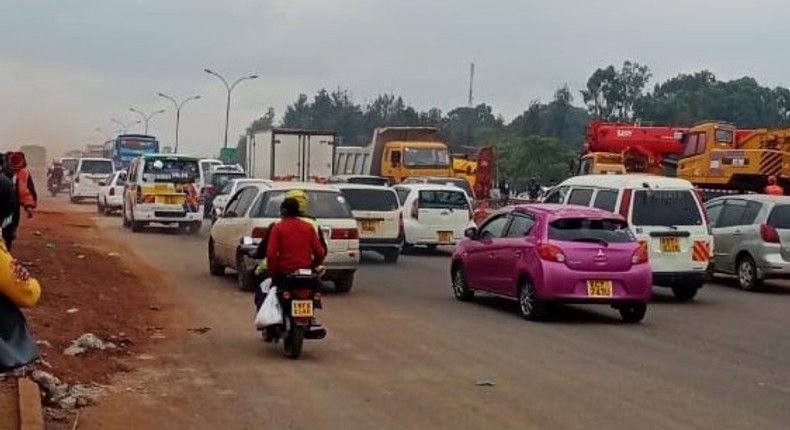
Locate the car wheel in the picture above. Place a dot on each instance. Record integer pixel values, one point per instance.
(460, 288)
(73, 199)
(531, 307)
(633, 313)
(99, 207)
(214, 268)
(747, 274)
(137, 226)
(244, 277)
(344, 282)
(391, 255)
(685, 292)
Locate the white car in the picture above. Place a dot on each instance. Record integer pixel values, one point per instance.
(434, 215)
(378, 216)
(111, 193)
(230, 189)
(90, 172)
(254, 207)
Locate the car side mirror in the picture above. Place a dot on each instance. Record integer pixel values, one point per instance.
(471, 233)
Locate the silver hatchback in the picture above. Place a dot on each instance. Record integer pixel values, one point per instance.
(751, 237)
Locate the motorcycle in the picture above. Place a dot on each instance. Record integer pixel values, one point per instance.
(54, 185)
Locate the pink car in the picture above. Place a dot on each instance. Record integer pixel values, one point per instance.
(541, 254)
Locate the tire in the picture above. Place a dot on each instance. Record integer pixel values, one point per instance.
(461, 290)
(746, 270)
(531, 307)
(244, 278)
(686, 292)
(214, 268)
(407, 248)
(99, 207)
(633, 313)
(432, 247)
(391, 256)
(137, 226)
(126, 222)
(344, 282)
(293, 342)
(194, 227)
(73, 200)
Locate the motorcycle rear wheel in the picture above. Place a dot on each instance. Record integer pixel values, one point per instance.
(292, 344)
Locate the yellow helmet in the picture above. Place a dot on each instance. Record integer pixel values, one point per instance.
(300, 196)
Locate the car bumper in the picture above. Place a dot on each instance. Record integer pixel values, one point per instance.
(114, 202)
(430, 236)
(379, 244)
(671, 279)
(168, 215)
(560, 284)
(85, 191)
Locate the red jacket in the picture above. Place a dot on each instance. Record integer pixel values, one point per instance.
(774, 190)
(293, 245)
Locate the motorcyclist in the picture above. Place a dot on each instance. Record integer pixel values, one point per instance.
(55, 172)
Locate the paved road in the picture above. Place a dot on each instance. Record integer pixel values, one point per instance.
(403, 354)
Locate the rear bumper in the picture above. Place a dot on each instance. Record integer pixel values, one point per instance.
(84, 191)
(114, 202)
(379, 244)
(674, 279)
(562, 285)
(168, 216)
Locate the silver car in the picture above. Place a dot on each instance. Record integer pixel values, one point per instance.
(751, 237)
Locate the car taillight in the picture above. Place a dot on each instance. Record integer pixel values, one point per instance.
(415, 209)
(112, 191)
(401, 228)
(625, 203)
(640, 255)
(344, 234)
(258, 232)
(769, 233)
(551, 253)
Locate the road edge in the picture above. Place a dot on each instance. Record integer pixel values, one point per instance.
(31, 415)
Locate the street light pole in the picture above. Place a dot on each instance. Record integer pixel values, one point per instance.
(146, 118)
(178, 107)
(124, 127)
(230, 90)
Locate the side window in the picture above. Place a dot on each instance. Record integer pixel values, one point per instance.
(581, 197)
(494, 228)
(246, 196)
(691, 145)
(233, 204)
(701, 143)
(714, 211)
(586, 166)
(732, 214)
(557, 196)
(520, 226)
(752, 210)
(606, 200)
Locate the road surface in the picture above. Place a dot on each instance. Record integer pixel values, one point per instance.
(402, 353)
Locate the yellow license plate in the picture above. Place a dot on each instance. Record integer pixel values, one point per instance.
(445, 237)
(302, 308)
(670, 244)
(368, 225)
(599, 288)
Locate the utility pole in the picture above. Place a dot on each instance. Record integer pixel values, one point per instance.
(471, 84)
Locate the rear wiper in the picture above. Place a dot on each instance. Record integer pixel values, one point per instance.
(592, 240)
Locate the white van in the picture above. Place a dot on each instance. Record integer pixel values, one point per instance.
(87, 176)
(433, 214)
(665, 214)
(378, 216)
(163, 189)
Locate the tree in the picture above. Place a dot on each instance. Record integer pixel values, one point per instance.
(611, 94)
(463, 126)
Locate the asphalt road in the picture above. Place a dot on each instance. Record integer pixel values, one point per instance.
(402, 353)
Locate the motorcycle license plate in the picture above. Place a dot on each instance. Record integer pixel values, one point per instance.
(302, 308)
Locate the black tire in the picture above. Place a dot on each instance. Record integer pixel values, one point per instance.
(407, 248)
(633, 313)
(214, 268)
(432, 247)
(244, 278)
(137, 226)
(531, 307)
(344, 282)
(686, 292)
(746, 270)
(194, 227)
(293, 342)
(461, 290)
(391, 255)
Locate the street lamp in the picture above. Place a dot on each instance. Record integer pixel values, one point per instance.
(178, 111)
(230, 89)
(146, 118)
(124, 127)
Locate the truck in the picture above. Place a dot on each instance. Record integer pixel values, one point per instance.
(617, 148)
(96, 151)
(291, 155)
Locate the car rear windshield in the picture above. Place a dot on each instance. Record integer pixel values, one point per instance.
(219, 180)
(780, 217)
(96, 166)
(442, 199)
(383, 200)
(322, 204)
(665, 208)
(590, 230)
(460, 183)
(175, 170)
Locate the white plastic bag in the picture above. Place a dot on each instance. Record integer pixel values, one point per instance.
(266, 285)
(270, 312)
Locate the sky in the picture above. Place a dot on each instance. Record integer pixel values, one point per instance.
(68, 67)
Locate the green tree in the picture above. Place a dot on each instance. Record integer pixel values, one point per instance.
(611, 94)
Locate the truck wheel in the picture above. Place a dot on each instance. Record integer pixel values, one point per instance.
(344, 282)
(391, 255)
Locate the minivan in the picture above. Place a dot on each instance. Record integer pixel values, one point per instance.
(87, 176)
(378, 216)
(433, 215)
(665, 214)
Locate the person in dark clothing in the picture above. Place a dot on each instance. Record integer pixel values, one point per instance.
(15, 168)
(504, 191)
(534, 189)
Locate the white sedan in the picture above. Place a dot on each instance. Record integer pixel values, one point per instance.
(222, 197)
(110, 198)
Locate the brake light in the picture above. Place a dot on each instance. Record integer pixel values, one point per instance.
(258, 232)
(415, 209)
(625, 202)
(640, 255)
(769, 233)
(112, 191)
(317, 297)
(344, 234)
(401, 228)
(303, 294)
(551, 253)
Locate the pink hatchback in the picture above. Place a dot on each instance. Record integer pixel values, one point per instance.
(542, 254)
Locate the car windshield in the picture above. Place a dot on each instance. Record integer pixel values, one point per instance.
(170, 170)
(322, 204)
(360, 199)
(426, 157)
(590, 230)
(96, 166)
(219, 180)
(780, 217)
(460, 183)
(665, 208)
(443, 199)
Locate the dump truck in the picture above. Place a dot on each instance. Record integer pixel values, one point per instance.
(291, 155)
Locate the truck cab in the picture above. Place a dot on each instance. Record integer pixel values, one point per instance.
(404, 159)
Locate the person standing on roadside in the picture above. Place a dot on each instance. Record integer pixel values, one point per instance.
(504, 191)
(15, 168)
(774, 189)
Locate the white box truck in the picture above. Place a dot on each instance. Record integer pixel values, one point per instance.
(292, 155)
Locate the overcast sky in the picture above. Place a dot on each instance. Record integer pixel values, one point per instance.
(67, 67)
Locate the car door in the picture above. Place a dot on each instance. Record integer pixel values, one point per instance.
(714, 209)
(239, 224)
(481, 262)
(516, 242)
(727, 233)
(224, 230)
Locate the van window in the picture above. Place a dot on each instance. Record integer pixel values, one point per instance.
(580, 196)
(557, 195)
(441, 199)
(460, 183)
(780, 217)
(170, 170)
(666, 208)
(383, 200)
(590, 230)
(322, 204)
(96, 166)
(606, 200)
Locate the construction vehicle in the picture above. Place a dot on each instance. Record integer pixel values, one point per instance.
(716, 156)
(615, 148)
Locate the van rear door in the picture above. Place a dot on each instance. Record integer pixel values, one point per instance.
(444, 210)
(376, 211)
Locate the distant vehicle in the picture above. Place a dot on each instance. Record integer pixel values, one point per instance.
(358, 179)
(205, 165)
(111, 193)
(254, 207)
(224, 194)
(433, 215)
(126, 147)
(544, 254)
(69, 168)
(90, 172)
(442, 180)
(751, 237)
(379, 218)
(218, 177)
(664, 213)
(291, 155)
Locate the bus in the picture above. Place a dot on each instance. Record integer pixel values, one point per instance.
(127, 147)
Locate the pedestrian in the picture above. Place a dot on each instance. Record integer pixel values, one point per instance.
(773, 188)
(17, 290)
(504, 191)
(25, 196)
(534, 189)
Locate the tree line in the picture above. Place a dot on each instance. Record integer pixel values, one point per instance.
(544, 140)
